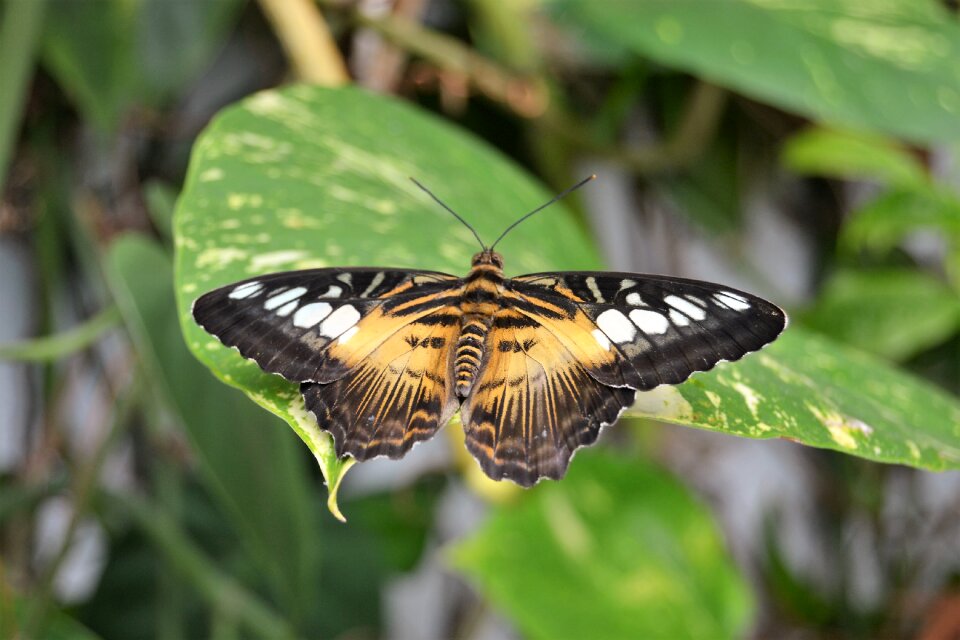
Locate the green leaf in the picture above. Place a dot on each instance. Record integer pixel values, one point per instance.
(251, 465)
(895, 313)
(886, 220)
(850, 155)
(315, 177)
(223, 593)
(822, 394)
(20, 31)
(57, 626)
(112, 54)
(882, 66)
(617, 550)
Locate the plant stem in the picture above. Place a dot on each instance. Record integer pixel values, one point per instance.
(530, 97)
(521, 94)
(62, 344)
(304, 34)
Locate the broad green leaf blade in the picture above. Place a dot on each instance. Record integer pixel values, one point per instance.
(895, 313)
(617, 550)
(314, 177)
(822, 394)
(850, 155)
(882, 66)
(251, 463)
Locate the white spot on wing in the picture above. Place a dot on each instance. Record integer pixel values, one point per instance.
(649, 321)
(311, 314)
(247, 290)
(735, 296)
(346, 278)
(732, 300)
(377, 279)
(333, 292)
(601, 338)
(340, 321)
(287, 309)
(685, 307)
(594, 289)
(281, 299)
(635, 300)
(616, 325)
(678, 318)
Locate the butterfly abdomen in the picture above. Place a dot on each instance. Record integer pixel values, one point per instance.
(473, 336)
(480, 301)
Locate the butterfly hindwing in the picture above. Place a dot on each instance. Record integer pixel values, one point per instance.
(534, 402)
(316, 325)
(399, 394)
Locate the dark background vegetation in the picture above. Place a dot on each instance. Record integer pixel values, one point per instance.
(142, 498)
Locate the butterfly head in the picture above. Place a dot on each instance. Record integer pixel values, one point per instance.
(487, 256)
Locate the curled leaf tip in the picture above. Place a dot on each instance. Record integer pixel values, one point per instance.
(333, 486)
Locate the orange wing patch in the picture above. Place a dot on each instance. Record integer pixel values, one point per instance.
(534, 402)
(355, 343)
(579, 336)
(398, 393)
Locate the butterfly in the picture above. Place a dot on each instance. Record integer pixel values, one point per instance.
(537, 364)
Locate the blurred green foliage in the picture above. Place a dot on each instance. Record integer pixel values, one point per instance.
(109, 56)
(634, 553)
(221, 529)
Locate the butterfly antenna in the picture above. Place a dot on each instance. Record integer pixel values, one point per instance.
(454, 213)
(559, 196)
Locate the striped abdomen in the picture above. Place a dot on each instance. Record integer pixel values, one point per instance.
(479, 303)
(473, 336)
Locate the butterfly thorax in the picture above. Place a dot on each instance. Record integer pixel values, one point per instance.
(479, 302)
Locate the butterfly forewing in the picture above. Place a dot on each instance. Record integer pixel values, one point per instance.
(316, 325)
(658, 329)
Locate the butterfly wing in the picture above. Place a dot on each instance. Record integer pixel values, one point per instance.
(568, 350)
(315, 325)
(371, 347)
(655, 329)
(399, 394)
(535, 401)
